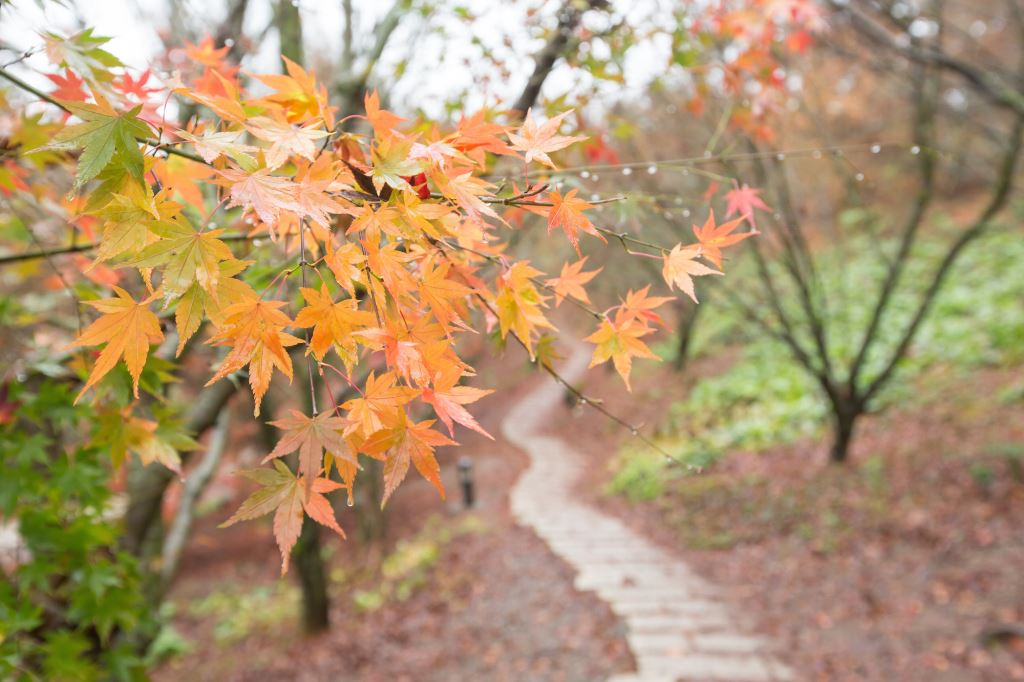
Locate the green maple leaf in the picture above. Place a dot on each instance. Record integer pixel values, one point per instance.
(390, 162)
(105, 137)
(188, 257)
(83, 54)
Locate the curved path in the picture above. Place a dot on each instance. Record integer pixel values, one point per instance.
(676, 627)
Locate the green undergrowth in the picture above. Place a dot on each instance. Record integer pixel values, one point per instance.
(764, 399)
(408, 567)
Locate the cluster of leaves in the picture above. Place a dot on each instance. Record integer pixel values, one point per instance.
(68, 602)
(741, 49)
(396, 238)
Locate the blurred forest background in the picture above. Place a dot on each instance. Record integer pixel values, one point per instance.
(845, 409)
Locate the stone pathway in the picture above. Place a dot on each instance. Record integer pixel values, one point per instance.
(677, 628)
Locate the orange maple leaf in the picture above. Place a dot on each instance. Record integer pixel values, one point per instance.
(448, 399)
(571, 280)
(441, 294)
(681, 267)
(619, 341)
(404, 442)
(254, 329)
(279, 493)
(380, 397)
(128, 328)
(333, 323)
(567, 213)
(311, 436)
(713, 238)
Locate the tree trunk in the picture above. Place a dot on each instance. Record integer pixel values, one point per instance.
(687, 321)
(312, 579)
(844, 418)
(289, 27)
(309, 560)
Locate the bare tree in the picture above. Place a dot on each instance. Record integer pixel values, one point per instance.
(795, 307)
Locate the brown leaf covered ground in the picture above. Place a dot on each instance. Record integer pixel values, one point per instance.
(893, 567)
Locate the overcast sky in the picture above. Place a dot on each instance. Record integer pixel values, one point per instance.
(437, 68)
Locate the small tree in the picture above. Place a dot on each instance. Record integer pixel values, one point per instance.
(796, 306)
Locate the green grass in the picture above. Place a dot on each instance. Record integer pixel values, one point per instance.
(765, 399)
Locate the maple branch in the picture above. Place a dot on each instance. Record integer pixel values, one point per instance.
(569, 18)
(309, 362)
(77, 302)
(924, 125)
(155, 144)
(89, 246)
(988, 83)
(625, 238)
(1001, 194)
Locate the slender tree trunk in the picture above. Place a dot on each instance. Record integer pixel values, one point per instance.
(289, 27)
(308, 554)
(844, 419)
(687, 321)
(312, 578)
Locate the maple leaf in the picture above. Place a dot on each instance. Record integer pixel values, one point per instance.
(714, 238)
(519, 304)
(742, 201)
(640, 306)
(311, 436)
(82, 54)
(333, 323)
(391, 164)
(128, 328)
(211, 145)
(254, 330)
(128, 215)
(286, 139)
(380, 397)
(620, 342)
(69, 87)
(440, 293)
(567, 213)
(298, 94)
(381, 120)
(196, 304)
(346, 264)
(279, 493)
(447, 399)
(466, 190)
(264, 193)
(476, 136)
(183, 177)
(102, 134)
(122, 432)
(571, 280)
(536, 141)
(404, 442)
(188, 257)
(681, 266)
(312, 201)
